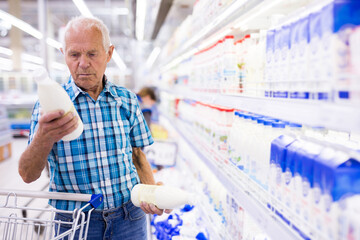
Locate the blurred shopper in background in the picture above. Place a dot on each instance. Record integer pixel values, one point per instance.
(147, 98)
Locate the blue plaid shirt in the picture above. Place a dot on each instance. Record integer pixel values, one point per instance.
(100, 160)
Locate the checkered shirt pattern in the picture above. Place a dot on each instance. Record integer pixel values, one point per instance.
(100, 160)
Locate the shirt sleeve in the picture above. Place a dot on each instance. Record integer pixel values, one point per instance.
(140, 135)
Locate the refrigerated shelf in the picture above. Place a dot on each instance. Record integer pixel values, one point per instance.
(271, 223)
(227, 16)
(238, 15)
(336, 116)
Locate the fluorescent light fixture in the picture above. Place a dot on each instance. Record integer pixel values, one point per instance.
(53, 43)
(257, 12)
(119, 62)
(27, 28)
(179, 59)
(121, 11)
(31, 58)
(230, 10)
(59, 66)
(20, 24)
(140, 19)
(209, 27)
(29, 66)
(6, 64)
(6, 51)
(192, 51)
(81, 6)
(152, 57)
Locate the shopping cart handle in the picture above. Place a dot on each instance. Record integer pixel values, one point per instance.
(96, 200)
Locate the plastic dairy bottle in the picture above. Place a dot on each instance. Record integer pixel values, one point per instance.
(164, 197)
(53, 97)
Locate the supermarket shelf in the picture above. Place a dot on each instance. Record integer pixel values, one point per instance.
(227, 16)
(266, 219)
(343, 117)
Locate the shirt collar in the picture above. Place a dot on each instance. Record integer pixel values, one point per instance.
(110, 87)
(73, 90)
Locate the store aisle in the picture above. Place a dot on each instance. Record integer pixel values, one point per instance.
(9, 176)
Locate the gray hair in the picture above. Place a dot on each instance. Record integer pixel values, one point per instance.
(86, 23)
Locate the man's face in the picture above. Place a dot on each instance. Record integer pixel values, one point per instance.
(86, 58)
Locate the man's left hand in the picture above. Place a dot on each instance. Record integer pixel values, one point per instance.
(152, 209)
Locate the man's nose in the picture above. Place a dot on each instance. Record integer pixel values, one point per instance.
(84, 62)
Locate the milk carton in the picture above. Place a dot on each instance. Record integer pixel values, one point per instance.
(277, 178)
(316, 75)
(307, 155)
(229, 64)
(303, 58)
(346, 17)
(276, 80)
(284, 64)
(269, 65)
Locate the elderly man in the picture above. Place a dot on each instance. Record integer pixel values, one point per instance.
(107, 157)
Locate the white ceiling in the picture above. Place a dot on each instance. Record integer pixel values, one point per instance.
(121, 26)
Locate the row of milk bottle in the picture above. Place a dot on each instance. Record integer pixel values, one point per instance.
(314, 55)
(307, 172)
(234, 67)
(250, 140)
(311, 182)
(311, 179)
(311, 55)
(211, 123)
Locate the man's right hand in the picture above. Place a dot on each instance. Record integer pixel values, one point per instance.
(52, 127)
(55, 125)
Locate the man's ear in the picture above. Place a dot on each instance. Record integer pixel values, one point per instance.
(110, 52)
(62, 50)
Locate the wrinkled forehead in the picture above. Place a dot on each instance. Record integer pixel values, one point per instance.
(84, 39)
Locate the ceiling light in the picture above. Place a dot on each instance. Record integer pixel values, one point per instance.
(152, 57)
(121, 11)
(140, 19)
(81, 6)
(59, 66)
(6, 64)
(20, 24)
(6, 51)
(119, 62)
(27, 28)
(257, 12)
(32, 58)
(29, 66)
(53, 43)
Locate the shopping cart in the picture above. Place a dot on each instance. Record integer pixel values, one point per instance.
(14, 226)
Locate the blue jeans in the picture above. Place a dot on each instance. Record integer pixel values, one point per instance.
(127, 222)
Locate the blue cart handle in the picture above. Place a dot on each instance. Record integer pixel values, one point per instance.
(96, 200)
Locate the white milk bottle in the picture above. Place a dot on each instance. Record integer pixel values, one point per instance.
(53, 97)
(164, 197)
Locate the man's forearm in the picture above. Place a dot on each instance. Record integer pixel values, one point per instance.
(33, 160)
(143, 167)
